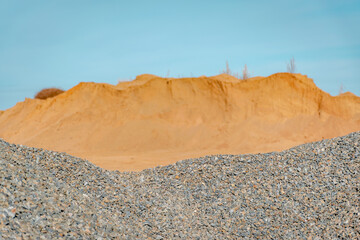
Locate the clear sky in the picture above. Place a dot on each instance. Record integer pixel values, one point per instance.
(60, 43)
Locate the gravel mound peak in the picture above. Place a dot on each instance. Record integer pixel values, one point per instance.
(311, 191)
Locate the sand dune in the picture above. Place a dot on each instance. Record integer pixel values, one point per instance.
(154, 121)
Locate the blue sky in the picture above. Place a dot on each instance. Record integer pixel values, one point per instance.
(61, 43)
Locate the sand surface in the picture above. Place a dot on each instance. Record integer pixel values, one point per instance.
(153, 121)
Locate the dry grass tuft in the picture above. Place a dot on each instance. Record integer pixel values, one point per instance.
(228, 71)
(291, 67)
(48, 93)
(246, 74)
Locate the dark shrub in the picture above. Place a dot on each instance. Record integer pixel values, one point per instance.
(48, 93)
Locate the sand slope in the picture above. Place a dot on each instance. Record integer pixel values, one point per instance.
(156, 121)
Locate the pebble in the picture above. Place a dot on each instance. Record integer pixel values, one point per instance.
(311, 191)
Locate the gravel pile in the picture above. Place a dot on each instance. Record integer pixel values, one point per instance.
(311, 191)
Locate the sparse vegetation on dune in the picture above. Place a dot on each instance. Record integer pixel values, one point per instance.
(48, 93)
(341, 89)
(291, 67)
(228, 71)
(246, 74)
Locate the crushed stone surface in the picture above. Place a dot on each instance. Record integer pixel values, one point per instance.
(311, 191)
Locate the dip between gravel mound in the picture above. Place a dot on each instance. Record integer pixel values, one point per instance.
(310, 191)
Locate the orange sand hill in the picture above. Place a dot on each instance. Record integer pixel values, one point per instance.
(157, 121)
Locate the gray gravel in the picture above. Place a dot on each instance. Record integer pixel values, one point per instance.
(308, 192)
